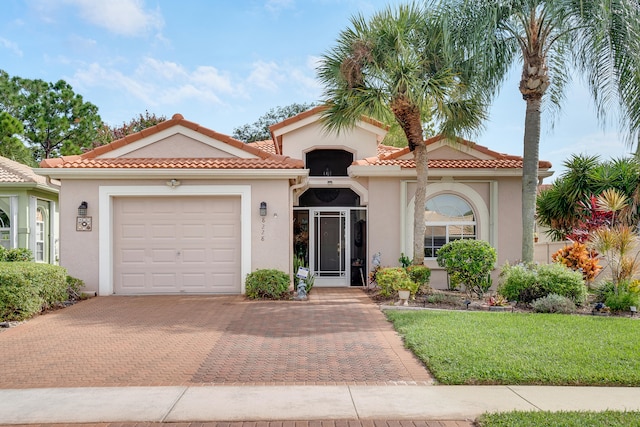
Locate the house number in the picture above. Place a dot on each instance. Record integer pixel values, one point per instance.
(262, 231)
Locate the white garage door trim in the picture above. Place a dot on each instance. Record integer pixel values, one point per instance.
(107, 193)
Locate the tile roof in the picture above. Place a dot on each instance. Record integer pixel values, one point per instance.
(450, 164)
(276, 162)
(266, 158)
(267, 145)
(499, 161)
(12, 171)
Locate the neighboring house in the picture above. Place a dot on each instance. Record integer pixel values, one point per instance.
(179, 208)
(28, 211)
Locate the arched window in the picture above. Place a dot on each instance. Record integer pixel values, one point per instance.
(447, 217)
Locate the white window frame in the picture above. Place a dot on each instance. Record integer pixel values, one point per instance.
(40, 236)
(453, 222)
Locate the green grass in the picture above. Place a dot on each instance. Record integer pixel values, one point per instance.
(564, 419)
(462, 347)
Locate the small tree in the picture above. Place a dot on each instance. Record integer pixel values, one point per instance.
(259, 130)
(468, 262)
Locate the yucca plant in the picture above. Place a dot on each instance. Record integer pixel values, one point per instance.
(616, 245)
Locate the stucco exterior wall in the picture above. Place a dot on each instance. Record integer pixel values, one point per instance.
(384, 220)
(80, 250)
(360, 142)
(179, 146)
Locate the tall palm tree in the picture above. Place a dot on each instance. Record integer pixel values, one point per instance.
(551, 38)
(397, 65)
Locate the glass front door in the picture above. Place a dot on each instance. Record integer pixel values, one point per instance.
(330, 247)
(333, 243)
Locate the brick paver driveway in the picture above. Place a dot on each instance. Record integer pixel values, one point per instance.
(338, 337)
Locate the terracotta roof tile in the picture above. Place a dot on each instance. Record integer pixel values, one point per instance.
(275, 162)
(267, 145)
(15, 172)
(452, 164)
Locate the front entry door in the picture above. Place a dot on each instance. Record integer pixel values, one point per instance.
(330, 247)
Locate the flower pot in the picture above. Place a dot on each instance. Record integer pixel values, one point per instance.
(404, 295)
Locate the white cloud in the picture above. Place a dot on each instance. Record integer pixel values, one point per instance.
(13, 47)
(123, 17)
(266, 75)
(161, 83)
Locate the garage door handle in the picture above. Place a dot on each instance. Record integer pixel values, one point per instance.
(178, 253)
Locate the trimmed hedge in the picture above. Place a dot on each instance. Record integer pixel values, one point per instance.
(27, 288)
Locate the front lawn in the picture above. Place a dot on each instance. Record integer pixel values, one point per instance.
(462, 347)
(564, 419)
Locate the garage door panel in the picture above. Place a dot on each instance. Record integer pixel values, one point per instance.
(132, 256)
(163, 256)
(176, 245)
(133, 281)
(164, 280)
(194, 256)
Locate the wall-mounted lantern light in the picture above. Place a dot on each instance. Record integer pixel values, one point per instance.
(83, 222)
(263, 208)
(82, 209)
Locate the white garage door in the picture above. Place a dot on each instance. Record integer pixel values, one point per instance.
(176, 245)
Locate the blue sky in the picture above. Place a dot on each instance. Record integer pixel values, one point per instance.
(225, 63)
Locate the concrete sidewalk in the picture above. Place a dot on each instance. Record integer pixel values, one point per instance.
(256, 403)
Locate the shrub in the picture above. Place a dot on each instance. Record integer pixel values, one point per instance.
(528, 283)
(554, 303)
(27, 288)
(419, 274)
(578, 258)
(468, 262)
(267, 284)
(602, 291)
(622, 301)
(15, 255)
(393, 279)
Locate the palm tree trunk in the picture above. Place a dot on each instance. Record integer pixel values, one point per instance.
(530, 175)
(420, 156)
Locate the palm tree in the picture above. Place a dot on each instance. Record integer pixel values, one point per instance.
(397, 66)
(597, 38)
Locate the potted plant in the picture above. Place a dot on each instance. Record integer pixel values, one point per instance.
(396, 280)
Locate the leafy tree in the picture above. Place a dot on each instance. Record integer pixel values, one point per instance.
(11, 146)
(598, 38)
(259, 130)
(398, 66)
(55, 119)
(107, 134)
(570, 207)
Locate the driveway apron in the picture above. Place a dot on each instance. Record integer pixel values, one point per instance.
(337, 337)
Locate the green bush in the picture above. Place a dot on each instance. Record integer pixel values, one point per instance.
(26, 288)
(392, 279)
(267, 284)
(15, 255)
(622, 301)
(419, 274)
(554, 303)
(527, 283)
(468, 263)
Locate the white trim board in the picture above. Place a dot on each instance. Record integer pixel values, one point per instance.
(105, 222)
